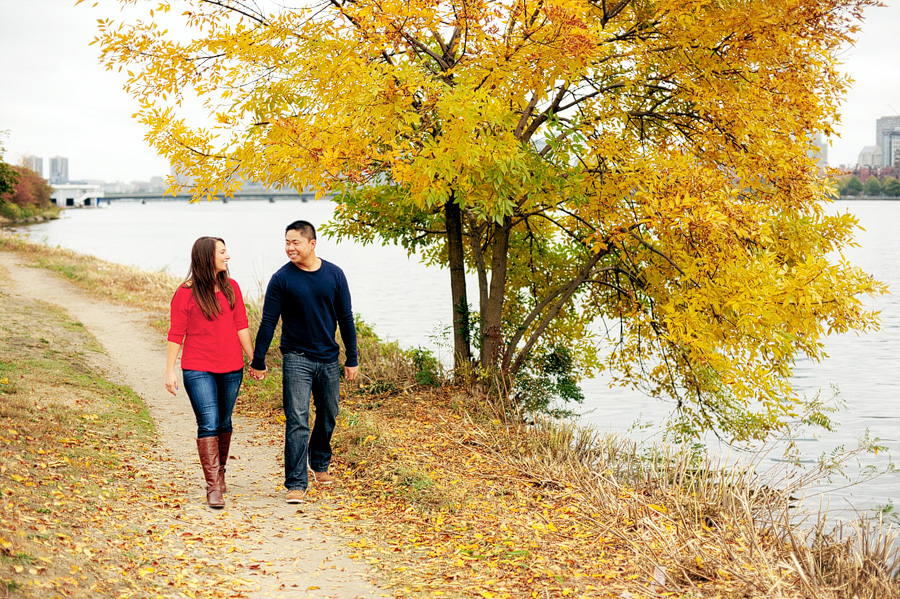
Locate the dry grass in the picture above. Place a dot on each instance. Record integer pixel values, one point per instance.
(698, 527)
(147, 290)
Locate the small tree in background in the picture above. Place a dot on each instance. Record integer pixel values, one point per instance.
(8, 176)
(853, 187)
(24, 192)
(891, 187)
(873, 187)
(30, 190)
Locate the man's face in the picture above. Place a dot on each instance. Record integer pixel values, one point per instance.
(297, 247)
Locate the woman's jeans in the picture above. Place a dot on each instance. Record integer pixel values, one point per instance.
(300, 378)
(212, 396)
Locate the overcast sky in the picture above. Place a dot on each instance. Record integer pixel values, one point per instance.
(55, 100)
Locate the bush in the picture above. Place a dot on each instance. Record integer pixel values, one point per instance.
(429, 372)
(10, 210)
(546, 380)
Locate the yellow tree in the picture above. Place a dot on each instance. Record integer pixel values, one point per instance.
(640, 163)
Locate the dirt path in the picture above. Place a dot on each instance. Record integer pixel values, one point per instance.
(275, 547)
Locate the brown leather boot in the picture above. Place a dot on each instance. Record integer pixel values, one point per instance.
(224, 446)
(208, 448)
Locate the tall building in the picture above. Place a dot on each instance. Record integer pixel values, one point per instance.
(59, 170)
(869, 156)
(892, 142)
(821, 152)
(887, 138)
(35, 163)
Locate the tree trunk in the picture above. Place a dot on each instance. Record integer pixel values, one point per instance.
(492, 311)
(461, 349)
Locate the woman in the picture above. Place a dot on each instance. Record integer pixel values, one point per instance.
(209, 320)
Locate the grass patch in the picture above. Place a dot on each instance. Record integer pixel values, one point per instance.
(147, 290)
(67, 443)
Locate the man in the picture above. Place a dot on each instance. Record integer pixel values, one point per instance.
(312, 298)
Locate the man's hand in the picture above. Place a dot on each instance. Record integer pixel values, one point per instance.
(257, 375)
(350, 372)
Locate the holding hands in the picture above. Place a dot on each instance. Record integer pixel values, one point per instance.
(257, 375)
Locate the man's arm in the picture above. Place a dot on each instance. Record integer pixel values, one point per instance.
(270, 315)
(348, 330)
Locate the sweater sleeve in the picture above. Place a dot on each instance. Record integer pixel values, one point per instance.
(346, 323)
(240, 310)
(178, 316)
(270, 315)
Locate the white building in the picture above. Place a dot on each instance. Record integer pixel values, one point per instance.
(71, 196)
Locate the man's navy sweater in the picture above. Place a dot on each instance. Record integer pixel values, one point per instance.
(311, 305)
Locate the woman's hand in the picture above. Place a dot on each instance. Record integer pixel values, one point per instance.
(171, 383)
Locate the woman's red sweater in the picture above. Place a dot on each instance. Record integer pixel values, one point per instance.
(209, 345)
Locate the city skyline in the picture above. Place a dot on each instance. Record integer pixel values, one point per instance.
(55, 99)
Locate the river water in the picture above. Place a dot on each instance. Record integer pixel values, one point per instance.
(409, 303)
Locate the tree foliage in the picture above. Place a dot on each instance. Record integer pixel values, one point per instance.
(873, 186)
(853, 187)
(8, 175)
(638, 165)
(30, 189)
(891, 187)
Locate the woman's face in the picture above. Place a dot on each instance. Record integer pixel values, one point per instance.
(222, 257)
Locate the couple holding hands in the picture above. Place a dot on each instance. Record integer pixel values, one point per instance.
(209, 326)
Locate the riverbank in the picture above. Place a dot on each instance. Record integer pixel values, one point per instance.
(446, 499)
(26, 217)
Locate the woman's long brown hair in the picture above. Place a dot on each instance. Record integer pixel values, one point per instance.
(203, 279)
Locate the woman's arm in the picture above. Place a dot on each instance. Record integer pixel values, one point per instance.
(246, 343)
(172, 350)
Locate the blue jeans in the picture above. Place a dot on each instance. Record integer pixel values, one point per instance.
(212, 396)
(302, 377)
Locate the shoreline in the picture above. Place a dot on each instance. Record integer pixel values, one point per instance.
(433, 468)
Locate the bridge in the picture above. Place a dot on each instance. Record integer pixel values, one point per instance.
(270, 195)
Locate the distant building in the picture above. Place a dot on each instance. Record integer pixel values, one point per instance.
(887, 138)
(59, 170)
(892, 143)
(35, 163)
(821, 152)
(870, 156)
(76, 196)
(158, 184)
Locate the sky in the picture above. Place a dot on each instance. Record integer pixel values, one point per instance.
(56, 100)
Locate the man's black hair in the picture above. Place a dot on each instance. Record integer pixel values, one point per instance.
(305, 228)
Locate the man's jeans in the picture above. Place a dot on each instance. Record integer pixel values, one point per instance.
(212, 396)
(300, 378)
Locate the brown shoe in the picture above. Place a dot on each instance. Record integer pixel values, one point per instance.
(295, 496)
(323, 478)
(208, 448)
